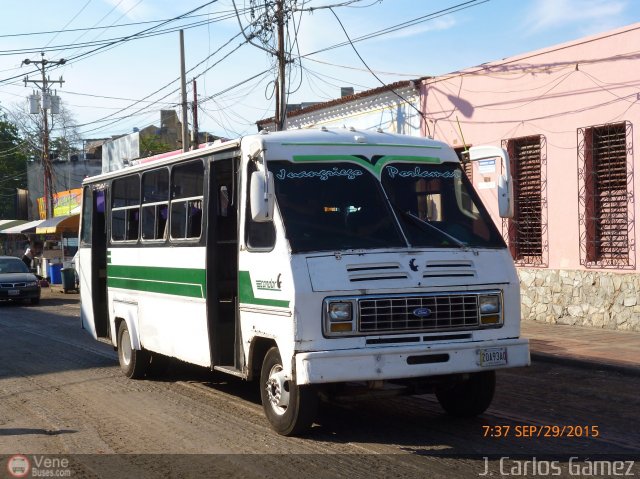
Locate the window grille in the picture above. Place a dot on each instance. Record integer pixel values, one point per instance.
(605, 185)
(526, 232)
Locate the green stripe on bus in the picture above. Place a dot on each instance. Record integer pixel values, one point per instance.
(245, 293)
(177, 281)
(188, 290)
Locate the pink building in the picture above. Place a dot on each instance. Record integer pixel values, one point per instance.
(569, 116)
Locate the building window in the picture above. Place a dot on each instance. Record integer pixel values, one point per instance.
(526, 232)
(605, 180)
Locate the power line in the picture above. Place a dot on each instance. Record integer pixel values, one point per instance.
(165, 86)
(119, 41)
(403, 25)
(109, 41)
(95, 27)
(68, 23)
(377, 77)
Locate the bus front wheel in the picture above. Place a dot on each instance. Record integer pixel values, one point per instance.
(133, 362)
(289, 408)
(470, 397)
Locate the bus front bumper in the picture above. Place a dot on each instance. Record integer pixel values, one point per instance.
(370, 364)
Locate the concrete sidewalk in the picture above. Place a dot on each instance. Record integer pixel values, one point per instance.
(597, 348)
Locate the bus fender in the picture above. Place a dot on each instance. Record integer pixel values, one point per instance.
(126, 315)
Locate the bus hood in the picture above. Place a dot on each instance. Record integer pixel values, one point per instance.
(412, 269)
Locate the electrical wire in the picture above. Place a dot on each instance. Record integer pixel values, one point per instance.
(162, 88)
(68, 23)
(391, 90)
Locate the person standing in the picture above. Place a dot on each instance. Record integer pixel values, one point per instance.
(27, 257)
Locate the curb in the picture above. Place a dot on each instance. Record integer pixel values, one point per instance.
(585, 363)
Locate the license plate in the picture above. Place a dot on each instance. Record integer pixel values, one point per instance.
(13, 292)
(493, 357)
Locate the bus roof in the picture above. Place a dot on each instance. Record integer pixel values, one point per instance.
(304, 141)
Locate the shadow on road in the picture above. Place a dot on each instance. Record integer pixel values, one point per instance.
(20, 431)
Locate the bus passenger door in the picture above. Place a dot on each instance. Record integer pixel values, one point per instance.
(92, 263)
(222, 264)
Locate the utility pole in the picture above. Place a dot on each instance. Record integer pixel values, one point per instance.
(194, 107)
(46, 104)
(183, 86)
(281, 99)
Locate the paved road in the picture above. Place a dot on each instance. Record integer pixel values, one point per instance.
(62, 393)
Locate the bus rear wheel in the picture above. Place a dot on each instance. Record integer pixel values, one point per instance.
(289, 408)
(470, 397)
(133, 362)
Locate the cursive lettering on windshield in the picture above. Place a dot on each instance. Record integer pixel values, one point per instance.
(417, 172)
(349, 173)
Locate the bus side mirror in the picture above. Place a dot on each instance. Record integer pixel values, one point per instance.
(262, 200)
(505, 183)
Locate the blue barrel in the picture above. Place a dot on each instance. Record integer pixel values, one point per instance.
(55, 273)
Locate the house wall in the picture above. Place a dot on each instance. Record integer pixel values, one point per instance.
(554, 93)
(385, 110)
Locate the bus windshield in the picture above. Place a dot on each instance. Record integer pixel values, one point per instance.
(438, 207)
(338, 206)
(333, 206)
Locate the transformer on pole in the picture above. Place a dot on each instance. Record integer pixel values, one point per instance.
(41, 103)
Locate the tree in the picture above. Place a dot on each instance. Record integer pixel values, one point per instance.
(13, 167)
(63, 132)
(152, 145)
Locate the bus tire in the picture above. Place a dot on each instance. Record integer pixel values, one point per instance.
(289, 408)
(470, 397)
(133, 362)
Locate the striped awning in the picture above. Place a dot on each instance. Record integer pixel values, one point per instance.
(59, 224)
(22, 228)
(4, 224)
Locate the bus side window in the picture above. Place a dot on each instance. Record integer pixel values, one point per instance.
(260, 236)
(187, 186)
(125, 209)
(155, 201)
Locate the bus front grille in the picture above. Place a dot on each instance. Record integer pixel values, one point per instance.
(418, 313)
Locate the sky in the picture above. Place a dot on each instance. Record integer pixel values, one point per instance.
(123, 56)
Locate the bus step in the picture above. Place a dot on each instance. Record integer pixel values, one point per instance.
(231, 370)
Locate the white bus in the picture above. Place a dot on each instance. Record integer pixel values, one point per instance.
(319, 262)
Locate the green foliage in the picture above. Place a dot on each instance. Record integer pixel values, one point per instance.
(13, 167)
(152, 145)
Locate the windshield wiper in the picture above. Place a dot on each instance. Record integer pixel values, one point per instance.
(435, 228)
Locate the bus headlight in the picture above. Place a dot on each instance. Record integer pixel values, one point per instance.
(490, 307)
(339, 317)
(340, 311)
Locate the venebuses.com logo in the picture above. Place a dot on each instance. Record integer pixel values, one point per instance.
(18, 466)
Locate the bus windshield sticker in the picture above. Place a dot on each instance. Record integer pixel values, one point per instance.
(416, 172)
(349, 173)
